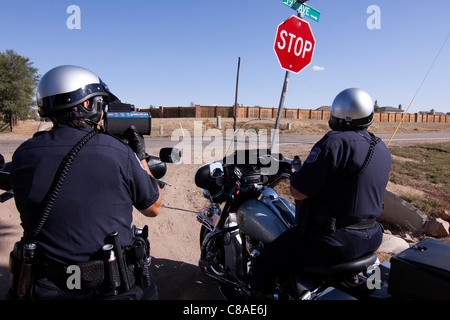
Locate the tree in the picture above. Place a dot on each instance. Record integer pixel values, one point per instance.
(376, 107)
(18, 81)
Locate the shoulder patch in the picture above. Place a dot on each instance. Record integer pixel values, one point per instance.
(313, 155)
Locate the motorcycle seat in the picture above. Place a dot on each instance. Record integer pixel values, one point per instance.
(349, 267)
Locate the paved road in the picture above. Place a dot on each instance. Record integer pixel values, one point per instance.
(425, 136)
(308, 139)
(7, 147)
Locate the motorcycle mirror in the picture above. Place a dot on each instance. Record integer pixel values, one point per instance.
(157, 167)
(4, 177)
(170, 155)
(206, 193)
(216, 170)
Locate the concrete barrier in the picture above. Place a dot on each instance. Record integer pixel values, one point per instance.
(401, 213)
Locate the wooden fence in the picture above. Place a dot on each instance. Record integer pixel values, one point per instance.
(261, 112)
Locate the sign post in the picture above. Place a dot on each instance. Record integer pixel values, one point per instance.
(280, 109)
(294, 48)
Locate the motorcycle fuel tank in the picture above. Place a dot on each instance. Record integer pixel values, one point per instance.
(258, 221)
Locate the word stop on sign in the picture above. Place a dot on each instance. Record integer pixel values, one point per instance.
(300, 46)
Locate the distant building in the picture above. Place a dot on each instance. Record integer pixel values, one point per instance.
(434, 113)
(390, 110)
(324, 108)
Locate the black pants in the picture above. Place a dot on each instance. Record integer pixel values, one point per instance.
(290, 250)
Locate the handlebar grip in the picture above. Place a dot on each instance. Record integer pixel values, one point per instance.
(6, 196)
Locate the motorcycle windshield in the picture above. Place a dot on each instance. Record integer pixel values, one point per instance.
(255, 142)
(254, 134)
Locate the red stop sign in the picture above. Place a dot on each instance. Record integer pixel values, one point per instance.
(294, 44)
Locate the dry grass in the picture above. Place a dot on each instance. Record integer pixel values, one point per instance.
(426, 168)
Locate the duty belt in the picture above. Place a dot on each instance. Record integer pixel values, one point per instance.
(332, 224)
(91, 274)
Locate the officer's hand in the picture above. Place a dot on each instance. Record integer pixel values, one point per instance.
(135, 141)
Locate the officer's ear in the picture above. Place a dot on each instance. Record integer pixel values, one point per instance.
(87, 105)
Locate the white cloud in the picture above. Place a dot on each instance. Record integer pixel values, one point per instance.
(317, 68)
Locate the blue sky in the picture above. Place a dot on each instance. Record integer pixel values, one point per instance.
(172, 53)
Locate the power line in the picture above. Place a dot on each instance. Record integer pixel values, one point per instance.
(421, 84)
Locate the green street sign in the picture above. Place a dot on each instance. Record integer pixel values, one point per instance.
(309, 12)
(292, 4)
(303, 8)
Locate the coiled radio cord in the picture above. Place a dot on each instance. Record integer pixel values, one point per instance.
(58, 181)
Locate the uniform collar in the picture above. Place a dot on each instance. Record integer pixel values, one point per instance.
(79, 125)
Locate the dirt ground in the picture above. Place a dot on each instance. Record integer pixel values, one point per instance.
(174, 234)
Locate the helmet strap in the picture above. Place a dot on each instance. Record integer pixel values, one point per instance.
(348, 124)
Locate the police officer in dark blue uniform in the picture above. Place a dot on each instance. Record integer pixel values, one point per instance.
(106, 179)
(339, 193)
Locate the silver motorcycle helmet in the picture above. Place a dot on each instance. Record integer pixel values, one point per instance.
(62, 91)
(352, 109)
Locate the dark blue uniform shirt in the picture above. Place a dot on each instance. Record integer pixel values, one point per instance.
(104, 183)
(329, 176)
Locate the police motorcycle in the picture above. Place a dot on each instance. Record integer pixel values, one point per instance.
(245, 214)
(111, 273)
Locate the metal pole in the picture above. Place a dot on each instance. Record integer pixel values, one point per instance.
(280, 108)
(236, 94)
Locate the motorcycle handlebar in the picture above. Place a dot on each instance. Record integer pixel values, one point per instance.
(233, 182)
(157, 166)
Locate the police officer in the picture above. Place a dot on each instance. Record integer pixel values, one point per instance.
(339, 193)
(106, 179)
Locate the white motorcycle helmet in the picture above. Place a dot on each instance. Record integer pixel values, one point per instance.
(352, 109)
(62, 91)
